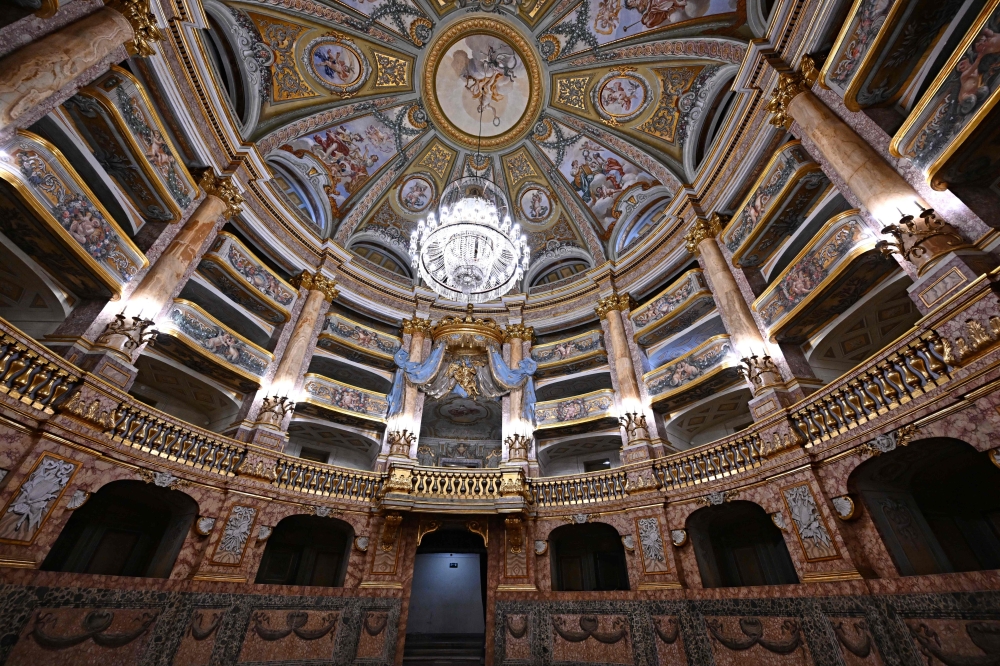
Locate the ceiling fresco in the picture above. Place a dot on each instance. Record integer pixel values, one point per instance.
(586, 114)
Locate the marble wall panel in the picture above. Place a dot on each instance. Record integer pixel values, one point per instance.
(602, 639)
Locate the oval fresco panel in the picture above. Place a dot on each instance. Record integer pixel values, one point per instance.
(535, 204)
(482, 76)
(337, 63)
(416, 194)
(620, 96)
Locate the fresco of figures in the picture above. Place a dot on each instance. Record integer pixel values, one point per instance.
(259, 277)
(969, 86)
(690, 367)
(570, 410)
(598, 175)
(562, 350)
(417, 193)
(360, 335)
(668, 300)
(345, 398)
(535, 204)
(613, 20)
(217, 340)
(337, 63)
(352, 153)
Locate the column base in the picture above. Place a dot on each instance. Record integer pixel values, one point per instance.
(950, 274)
(111, 365)
(770, 399)
(636, 451)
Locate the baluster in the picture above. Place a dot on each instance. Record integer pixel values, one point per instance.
(46, 371)
(935, 353)
(19, 365)
(63, 385)
(873, 389)
(912, 381)
(12, 350)
(892, 383)
(833, 408)
(915, 362)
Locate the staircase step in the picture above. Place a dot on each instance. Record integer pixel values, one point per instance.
(444, 650)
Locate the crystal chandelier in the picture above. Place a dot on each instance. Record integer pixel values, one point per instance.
(470, 252)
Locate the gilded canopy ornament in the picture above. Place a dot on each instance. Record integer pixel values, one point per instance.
(316, 282)
(619, 302)
(468, 331)
(416, 325)
(702, 230)
(143, 23)
(789, 86)
(222, 188)
(520, 332)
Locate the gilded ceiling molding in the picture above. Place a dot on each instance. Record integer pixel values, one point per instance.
(712, 48)
(317, 10)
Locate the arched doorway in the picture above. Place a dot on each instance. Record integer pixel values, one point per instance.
(738, 545)
(128, 528)
(936, 504)
(587, 558)
(307, 550)
(447, 616)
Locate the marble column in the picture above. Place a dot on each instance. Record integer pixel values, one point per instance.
(112, 354)
(517, 447)
(763, 376)
(34, 73)
(156, 291)
(636, 442)
(921, 237)
(402, 434)
(298, 352)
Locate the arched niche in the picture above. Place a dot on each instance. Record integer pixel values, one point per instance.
(301, 180)
(936, 505)
(307, 550)
(127, 528)
(708, 113)
(738, 545)
(586, 558)
(240, 61)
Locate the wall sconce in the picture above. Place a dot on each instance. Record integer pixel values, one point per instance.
(635, 425)
(400, 442)
(910, 235)
(517, 447)
(136, 332)
(753, 368)
(275, 409)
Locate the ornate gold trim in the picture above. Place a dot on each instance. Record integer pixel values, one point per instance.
(316, 282)
(499, 28)
(619, 302)
(704, 229)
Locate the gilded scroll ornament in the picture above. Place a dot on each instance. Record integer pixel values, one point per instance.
(619, 302)
(789, 86)
(143, 22)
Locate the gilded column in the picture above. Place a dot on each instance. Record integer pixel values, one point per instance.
(877, 185)
(321, 292)
(402, 434)
(39, 70)
(517, 433)
(161, 281)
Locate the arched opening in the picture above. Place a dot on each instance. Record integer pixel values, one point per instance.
(936, 505)
(127, 528)
(307, 550)
(738, 545)
(560, 270)
(447, 615)
(382, 258)
(226, 65)
(587, 558)
(297, 192)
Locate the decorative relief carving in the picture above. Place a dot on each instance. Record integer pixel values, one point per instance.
(77, 499)
(590, 628)
(229, 552)
(654, 560)
(716, 498)
(264, 532)
(814, 537)
(34, 500)
(361, 543)
(541, 546)
(203, 526)
(889, 441)
(161, 479)
(844, 507)
(678, 537)
(391, 71)
(753, 634)
(570, 92)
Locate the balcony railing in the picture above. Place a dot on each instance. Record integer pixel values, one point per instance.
(237, 273)
(577, 490)
(303, 476)
(335, 396)
(708, 367)
(709, 463)
(565, 412)
(684, 302)
(575, 354)
(357, 342)
(31, 373)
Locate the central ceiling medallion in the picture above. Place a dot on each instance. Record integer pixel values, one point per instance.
(482, 73)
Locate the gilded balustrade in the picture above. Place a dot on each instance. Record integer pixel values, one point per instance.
(711, 462)
(32, 374)
(908, 371)
(575, 490)
(303, 476)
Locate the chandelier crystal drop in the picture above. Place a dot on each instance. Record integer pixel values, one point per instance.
(471, 251)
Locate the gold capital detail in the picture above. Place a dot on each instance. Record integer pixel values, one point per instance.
(619, 302)
(222, 188)
(789, 86)
(143, 22)
(520, 332)
(702, 230)
(316, 282)
(416, 325)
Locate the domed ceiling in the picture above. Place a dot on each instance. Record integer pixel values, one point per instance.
(589, 114)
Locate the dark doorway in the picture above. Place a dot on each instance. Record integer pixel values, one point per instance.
(307, 550)
(446, 623)
(587, 558)
(936, 505)
(737, 545)
(128, 528)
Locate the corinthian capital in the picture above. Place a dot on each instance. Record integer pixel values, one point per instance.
(416, 325)
(222, 187)
(316, 282)
(619, 302)
(519, 331)
(790, 85)
(702, 230)
(143, 22)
